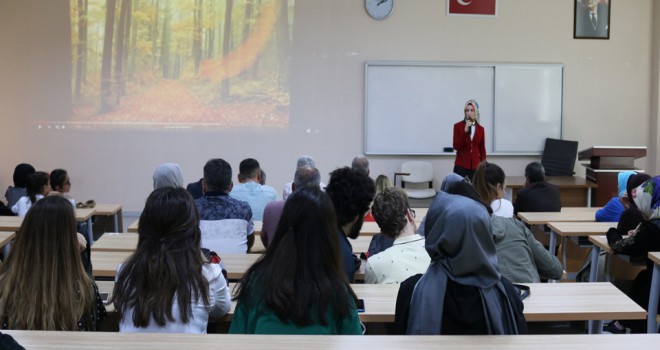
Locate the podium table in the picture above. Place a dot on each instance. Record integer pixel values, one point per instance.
(606, 162)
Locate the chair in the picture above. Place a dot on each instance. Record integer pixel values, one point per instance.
(559, 157)
(416, 173)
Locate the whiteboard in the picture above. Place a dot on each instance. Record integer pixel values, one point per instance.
(411, 107)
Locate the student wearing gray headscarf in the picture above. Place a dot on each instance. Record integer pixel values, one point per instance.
(462, 292)
(449, 180)
(168, 175)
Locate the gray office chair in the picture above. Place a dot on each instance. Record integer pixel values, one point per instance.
(421, 173)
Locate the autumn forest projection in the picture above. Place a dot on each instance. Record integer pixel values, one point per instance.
(181, 63)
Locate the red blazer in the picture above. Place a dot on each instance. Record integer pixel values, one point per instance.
(469, 153)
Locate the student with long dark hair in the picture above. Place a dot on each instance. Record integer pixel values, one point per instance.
(166, 285)
(21, 180)
(490, 183)
(38, 187)
(43, 285)
(298, 286)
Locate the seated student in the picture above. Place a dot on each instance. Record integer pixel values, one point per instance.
(351, 193)
(167, 285)
(60, 183)
(639, 242)
(611, 211)
(298, 286)
(449, 180)
(250, 190)
(631, 216)
(379, 241)
(537, 195)
(303, 161)
(520, 257)
(168, 175)
(226, 223)
(304, 177)
(43, 285)
(407, 256)
(462, 292)
(22, 174)
(38, 187)
(490, 182)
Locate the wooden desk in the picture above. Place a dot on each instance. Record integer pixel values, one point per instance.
(542, 218)
(654, 295)
(163, 341)
(85, 214)
(113, 210)
(13, 223)
(10, 223)
(574, 191)
(574, 230)
(547, 302)
(105, 264)
(368, 228)
(127, 242)
(5, 242)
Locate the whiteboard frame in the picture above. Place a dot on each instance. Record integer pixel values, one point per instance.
(493, 65)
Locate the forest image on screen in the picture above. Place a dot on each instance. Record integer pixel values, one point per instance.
(181, 63)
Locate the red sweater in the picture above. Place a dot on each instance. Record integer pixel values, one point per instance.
(469, 153)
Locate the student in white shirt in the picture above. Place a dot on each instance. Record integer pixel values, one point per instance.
(407, 256)
(167, 285)
(38, 187)
(490, 183)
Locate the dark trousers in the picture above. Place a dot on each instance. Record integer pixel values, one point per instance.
(469, 174)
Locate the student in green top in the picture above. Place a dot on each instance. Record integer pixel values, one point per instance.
(298, 286)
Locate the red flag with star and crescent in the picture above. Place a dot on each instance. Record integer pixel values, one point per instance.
(473, 7)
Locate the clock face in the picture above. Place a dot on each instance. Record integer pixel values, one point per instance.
(379, 9)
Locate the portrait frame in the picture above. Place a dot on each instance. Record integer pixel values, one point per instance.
(588, 26)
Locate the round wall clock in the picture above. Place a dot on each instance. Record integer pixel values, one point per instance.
(379, 9)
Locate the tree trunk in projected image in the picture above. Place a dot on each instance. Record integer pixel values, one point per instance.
(133, 50)
(106, 64)
(81, 48)
(247, 27)
(165, 43)
(154, 30)
(120, 44)
(226, 43)
(198, 19)
(283, 46)
(210, 33)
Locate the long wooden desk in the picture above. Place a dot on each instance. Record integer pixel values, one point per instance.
(13, 223)
(654, 295)
(547, 302)
(164, 341)
(574, 191)
(127, 242)
(105, 264)
(368, 228)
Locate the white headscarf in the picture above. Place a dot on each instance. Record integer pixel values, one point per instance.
(168, 175)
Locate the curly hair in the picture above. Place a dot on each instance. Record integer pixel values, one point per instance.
(351, 193)
(389, 210)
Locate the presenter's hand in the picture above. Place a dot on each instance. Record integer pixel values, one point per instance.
(468, 124)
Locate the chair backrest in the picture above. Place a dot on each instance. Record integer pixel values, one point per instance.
(419, 171)
(559, 157)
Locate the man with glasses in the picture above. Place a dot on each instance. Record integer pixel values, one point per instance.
(407, 256)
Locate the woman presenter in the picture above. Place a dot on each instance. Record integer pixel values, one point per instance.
(469, 141)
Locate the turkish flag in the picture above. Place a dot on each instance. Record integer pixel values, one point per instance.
(473, 7)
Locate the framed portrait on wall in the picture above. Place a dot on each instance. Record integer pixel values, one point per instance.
(592, 19)
(472, 8)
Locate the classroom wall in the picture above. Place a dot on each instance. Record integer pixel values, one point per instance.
(611, 90)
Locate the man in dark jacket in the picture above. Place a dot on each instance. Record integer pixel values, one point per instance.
(538, 195)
